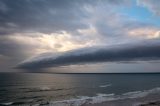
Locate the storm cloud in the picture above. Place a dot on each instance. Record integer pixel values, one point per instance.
(65, 32)
(142, 51)
(46, 16)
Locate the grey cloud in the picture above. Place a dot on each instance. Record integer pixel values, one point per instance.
(52, 16)
(46, 16)
(3, 7)
(116, 26)
(12, 52)
(152, 5)
(13, 49)
(40, 15)
(142, 51)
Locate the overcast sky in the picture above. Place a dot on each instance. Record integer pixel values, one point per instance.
(80, 35)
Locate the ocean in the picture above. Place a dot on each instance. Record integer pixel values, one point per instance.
(74, 89)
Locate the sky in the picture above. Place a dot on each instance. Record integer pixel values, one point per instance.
(99, 36)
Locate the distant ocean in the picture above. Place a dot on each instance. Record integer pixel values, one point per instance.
(74, 89)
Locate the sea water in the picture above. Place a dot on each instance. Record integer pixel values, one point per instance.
(76, 89)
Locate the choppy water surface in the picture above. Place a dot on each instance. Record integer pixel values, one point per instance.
(39, 88)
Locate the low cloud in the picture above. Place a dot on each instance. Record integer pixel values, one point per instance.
(63, 25)
(141, 51)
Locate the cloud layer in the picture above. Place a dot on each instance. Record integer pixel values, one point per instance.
(143, 51)
(32, 27)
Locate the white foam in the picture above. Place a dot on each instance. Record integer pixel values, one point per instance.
(104, 86)
(99, 98)
(36, 105)
(7, 103)
(45, 88)
(80, 100)
(137, 94)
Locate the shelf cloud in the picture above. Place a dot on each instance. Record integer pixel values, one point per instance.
(66, 32)
(142, 51)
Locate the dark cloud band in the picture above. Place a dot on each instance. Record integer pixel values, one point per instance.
(124, 52)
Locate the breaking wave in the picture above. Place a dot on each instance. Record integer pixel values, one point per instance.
(99, 98)
(104, 86)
